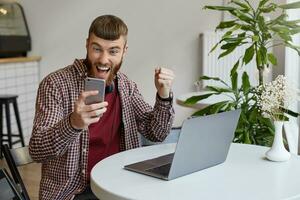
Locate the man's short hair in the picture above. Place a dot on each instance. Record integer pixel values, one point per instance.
(108, 27)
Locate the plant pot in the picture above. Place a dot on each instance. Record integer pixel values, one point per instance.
(278, 152)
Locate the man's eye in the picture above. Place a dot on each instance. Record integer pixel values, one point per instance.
(114, 51)
(96, 49)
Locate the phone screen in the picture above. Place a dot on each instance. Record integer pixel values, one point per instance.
(94, 84)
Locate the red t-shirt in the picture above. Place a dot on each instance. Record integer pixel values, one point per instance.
(104, 136)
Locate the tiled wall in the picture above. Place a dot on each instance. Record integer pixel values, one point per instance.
(21, 79)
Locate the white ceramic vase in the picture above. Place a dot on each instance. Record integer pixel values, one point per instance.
(278, 152)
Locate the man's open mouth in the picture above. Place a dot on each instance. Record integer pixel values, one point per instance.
(103, 68)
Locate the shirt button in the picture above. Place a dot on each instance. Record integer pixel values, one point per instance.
(84, 150)
(83, 171)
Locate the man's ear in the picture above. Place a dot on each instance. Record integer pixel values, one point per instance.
(87, 43)
(125, 49)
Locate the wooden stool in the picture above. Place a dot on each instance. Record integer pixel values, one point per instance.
(6, 100)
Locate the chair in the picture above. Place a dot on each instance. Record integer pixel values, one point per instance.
(8, 189)
(5, 102)
(14, 158)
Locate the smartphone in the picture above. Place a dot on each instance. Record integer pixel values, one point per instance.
(94, 84)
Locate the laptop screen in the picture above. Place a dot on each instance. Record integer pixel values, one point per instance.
(7, 188)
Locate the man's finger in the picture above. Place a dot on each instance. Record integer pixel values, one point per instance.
(85, 94)
(165, 77)
(164, 82)
(95, 106)
(157, 70)
(166, 71)
(97, 113)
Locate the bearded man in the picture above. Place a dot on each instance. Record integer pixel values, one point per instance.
(70, 137)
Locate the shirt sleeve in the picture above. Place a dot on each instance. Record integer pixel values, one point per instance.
(52, 132)
(153, 122)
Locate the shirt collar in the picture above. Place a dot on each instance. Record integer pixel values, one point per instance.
(80, 67)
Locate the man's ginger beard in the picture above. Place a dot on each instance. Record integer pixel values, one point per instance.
(112, 72)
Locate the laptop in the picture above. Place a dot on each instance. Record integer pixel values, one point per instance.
(8, 190)
(203, 142)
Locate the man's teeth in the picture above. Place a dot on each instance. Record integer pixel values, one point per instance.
(103, 68)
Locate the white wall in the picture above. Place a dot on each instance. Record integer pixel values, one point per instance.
(292, 72)
(161, 32)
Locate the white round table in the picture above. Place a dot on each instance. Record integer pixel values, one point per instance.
(246, 174)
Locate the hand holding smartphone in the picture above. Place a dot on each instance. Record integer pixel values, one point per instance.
(94, 84)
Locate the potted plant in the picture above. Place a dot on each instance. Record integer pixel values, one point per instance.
(250, 26)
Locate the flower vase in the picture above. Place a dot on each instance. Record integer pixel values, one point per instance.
(278, 152)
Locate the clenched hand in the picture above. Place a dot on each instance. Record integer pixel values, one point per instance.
(163, 81)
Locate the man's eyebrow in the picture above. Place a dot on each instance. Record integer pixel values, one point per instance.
(115, 47)
(95, 43)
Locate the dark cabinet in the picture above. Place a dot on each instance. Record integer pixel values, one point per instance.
(14, 33)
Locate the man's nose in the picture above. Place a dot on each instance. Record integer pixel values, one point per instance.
(104, 58)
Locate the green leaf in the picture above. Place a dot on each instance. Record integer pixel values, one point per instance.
(221, 8)
(219, 107)
(211, 109)
(296, 48)
(216, 45)
(212, 78)
(242, 35)
(295, 31)
(293, 22)
(209, 78)
(245, 27)
(290, 112)
(270, 8)
(263, 51)
(255, 38)
(234, 82)
(202, 112)
(249, 53)
(245, 83)
(228, 51)
(217, 89)
(241, 16)
(280, 29)
(285, 37)
(272, 59)
(281, 17)
(242, 5)
(234, 68)
(288, 24)
(236, 27)
(226, 24)
(228, 33)
(280, 116)
(233, 39)
(230, 45)
(229, 106)
(246, 138)
(194, 99)
(294, 5)
(262, 3)
(253, 115)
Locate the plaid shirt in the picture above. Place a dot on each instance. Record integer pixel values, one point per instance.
(63, 150)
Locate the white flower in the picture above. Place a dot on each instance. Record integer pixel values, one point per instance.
(274, 97)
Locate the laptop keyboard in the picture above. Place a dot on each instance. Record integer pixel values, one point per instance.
(162, 170)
